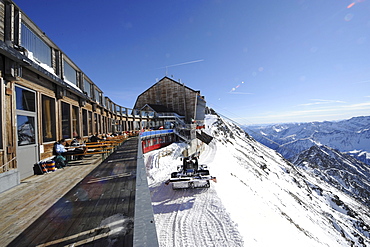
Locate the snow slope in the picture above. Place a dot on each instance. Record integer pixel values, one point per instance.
(260, 199)
(187, 217)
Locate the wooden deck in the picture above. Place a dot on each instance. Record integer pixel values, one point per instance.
(89, 204)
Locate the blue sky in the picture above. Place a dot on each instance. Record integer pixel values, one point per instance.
(256, 62)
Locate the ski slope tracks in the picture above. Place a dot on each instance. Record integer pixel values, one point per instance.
(260, 199)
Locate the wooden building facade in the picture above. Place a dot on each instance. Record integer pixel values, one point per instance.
(45, 96)
(176, 97)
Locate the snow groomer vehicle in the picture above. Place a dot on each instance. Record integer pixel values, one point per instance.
(190, 175)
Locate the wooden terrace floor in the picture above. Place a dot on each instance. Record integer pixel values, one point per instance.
(88, 203)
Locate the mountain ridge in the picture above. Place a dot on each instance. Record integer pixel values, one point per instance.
(351, 136)
(340, 170)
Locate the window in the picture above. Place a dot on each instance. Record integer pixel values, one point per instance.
(26, 116)
(90, 123)
(26, 130)
(84, 123)
(40, 50)
(87, 87)
(25, 99)
(97, 122)
(66, 120)
(48, 119)
(75, 121)
(70, 73)
(109, 125)
(104, 125)
(119, 125)
(103, 100)
(118, 109)
(97, 96)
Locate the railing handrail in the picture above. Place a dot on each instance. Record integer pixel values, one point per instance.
(156, 132)
(6, 164)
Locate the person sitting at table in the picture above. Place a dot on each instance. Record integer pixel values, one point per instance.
(60, 148)
(77, 142)
(95, 138)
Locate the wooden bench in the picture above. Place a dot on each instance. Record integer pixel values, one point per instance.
(98, 148)
(113, 141)
(102, 148)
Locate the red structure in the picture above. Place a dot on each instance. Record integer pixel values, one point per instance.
(152, 140)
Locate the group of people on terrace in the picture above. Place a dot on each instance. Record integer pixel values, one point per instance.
(77, 146)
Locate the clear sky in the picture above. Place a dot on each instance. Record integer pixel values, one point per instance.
(256, 62)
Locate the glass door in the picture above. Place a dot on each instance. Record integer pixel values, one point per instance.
(26, 117)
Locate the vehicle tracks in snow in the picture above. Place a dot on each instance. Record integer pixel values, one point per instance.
(192, 217)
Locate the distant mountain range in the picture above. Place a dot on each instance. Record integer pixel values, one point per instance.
(350, 136)
(338, 169)
(336, 152)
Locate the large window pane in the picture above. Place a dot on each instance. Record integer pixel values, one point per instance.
(104, 125)
(48, 119)
(40, 50)
(70, 73)
(26, 130)
(90, 123)
(96, 119)
(25, 99)
(103, 100)
(87, 87)
(66, 120)
(75, 121)
(84, 123)
(97, 96)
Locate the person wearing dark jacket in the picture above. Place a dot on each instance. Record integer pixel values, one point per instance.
(95, 138)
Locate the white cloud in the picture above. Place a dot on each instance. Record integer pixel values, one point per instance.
(321, 101)
(233, 92)
(336, 112)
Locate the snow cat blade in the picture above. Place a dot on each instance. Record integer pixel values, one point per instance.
(190, 182)
(181, 185)
(191, 185)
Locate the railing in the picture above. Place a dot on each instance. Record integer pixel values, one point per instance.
(5, 167)
(182, 135)
(145, 233)
(156, 132)
(169, 114)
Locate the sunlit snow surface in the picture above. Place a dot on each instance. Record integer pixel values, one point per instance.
(259, 199)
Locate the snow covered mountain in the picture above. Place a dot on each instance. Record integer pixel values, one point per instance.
(341, 170)
(351, 136)
(260, 198)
